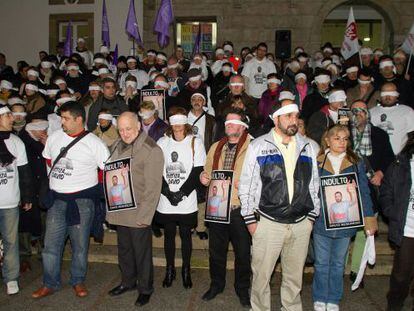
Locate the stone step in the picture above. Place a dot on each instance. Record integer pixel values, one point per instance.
(381, 243)
(199, 259)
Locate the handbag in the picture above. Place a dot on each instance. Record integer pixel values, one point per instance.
(46, 195)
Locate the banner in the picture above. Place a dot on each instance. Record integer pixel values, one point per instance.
(119, 194)
(157, 96)
(341, 202)
(408, 44)
(218, 203)
(350, 45)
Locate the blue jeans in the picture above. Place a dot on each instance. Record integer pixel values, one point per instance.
(57, 231)
(330, 254)
(9, 225)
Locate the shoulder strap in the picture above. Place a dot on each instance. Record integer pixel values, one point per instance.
(201, 115)
(65, 151)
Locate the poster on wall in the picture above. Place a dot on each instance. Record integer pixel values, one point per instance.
(341, 202)
(189, 32)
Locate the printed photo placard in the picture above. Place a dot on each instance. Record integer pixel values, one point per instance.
(341, 200)
(218, 204)
(118, 186)
(156, 96)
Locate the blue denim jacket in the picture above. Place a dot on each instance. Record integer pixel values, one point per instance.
(346, 167)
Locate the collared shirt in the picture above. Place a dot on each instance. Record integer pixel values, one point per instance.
(229, 155)
(289, 157)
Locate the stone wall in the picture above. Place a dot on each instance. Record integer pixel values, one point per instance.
(247, 22)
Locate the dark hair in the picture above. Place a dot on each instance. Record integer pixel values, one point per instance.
(75, 109)
(365, 72)
(161, 75)
(108, 80)
(338, 192)
(262, 44)
(188, 129)
(237, 111)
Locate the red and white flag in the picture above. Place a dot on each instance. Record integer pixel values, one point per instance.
(350, 45)
(408, 44)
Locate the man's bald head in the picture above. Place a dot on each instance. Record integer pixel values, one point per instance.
(128, 127)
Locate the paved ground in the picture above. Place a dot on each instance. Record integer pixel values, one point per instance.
(102, 277)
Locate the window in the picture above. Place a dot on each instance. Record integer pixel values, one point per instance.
(188, 31)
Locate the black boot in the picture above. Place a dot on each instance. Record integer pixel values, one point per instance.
(186, 274)
(169, 276)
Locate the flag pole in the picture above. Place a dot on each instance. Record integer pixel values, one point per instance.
(360, 58)
(409, 61)
(133, 47)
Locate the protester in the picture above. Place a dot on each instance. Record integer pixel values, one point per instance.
(256, 71)
(395, 119)
(105, 129)
(331, 246)
(364, 90)
(228, 154)
(150, 122)
(270, 96)
(327, 116)
(279, 202)
(372, 145)
(17, 192)
(134, 225)
(396, 204)
(74, 189)
(184, 157)
(108, 101)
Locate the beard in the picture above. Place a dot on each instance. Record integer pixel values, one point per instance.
(291, 130)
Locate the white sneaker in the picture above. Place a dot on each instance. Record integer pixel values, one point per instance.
(319, 306)
(332, 307)
(12, 288)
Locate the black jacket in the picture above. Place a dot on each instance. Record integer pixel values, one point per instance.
(115, 106)
(395, 196)
(311, 104)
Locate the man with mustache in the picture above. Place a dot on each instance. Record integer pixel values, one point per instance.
(278, 192)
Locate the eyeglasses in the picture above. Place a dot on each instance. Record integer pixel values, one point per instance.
(358, 110)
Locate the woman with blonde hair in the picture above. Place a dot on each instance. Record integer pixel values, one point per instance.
(331, 246)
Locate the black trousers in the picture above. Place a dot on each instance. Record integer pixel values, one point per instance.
(401, 275)
(220, 235)
(185, 223)
(135, 258)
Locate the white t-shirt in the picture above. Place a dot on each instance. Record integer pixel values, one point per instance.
(76, 171)
(141, 75)
(9, 175)
(397, 121)
(200, 127)
(409, 222)
(256, 71)
(178, 164)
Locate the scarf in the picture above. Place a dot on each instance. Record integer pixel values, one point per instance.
(220, 147)
(362, 141)
(6, 158)
(303, 91)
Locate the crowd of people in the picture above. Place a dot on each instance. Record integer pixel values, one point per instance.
(81, 150)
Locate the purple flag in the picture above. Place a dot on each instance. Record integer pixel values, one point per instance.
(67, 48)
(131, 26)
(197, 42)
(105, 27)
(115, 56)
(162, 23)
